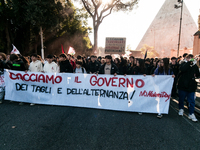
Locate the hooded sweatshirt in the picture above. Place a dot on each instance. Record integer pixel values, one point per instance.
(36, 66)
(51, 67)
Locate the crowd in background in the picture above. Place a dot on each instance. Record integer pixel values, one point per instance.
(184, 70)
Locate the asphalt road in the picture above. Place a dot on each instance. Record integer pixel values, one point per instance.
(43, 127)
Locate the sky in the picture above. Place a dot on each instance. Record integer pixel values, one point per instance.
(133, 25)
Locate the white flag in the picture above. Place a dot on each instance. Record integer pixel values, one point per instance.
(71, 51)
(15, 50)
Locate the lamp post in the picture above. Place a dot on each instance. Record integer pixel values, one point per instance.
(180, 5)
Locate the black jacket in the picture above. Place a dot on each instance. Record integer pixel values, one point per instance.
(130, 70)
(17, 65)
(123, 70)
(114, 69)
(148, 69)
(65, 67)
(175, 69)
(153, 69)
(4, 65)
(187, 75)
(85, 64)
(93, 67)
(137, 71)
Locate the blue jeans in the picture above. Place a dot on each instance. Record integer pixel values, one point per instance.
(190, 98)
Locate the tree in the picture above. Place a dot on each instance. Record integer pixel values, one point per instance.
(21, 21)
(99, 9)
(151, 52)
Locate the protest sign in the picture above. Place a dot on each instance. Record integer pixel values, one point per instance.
(136, 93)
(115, 46)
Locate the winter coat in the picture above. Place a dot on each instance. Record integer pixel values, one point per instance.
(187, 75)
(136, 71)
(17, 65)
(175, 69)
(66, 67)
(114, 69)
(170, 72)
(123, 70)
(93, 67)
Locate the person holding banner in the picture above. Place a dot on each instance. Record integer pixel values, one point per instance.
(3, 65)
(163, 69)
(187, 85)
(50, 66)
(123, 67)
(16, 64)
(93, 66)
(175, 67)
(71, 61)
(131, 62)
(35, 65)
(140, 68)
(3, 61)
(65, 66)
(109, 67)
(84, 62)
(79, 68)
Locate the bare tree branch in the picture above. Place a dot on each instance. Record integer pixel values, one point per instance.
(112, 5)
(96, 9)
(106, 15)
(87, 7)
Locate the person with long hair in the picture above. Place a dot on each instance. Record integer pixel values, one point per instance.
(131, 65)
(123, 67)
(3, 65)
(163, 69)
(131, 61)
(155, 65)
(140, 68)
(117, 62)
(175, 67)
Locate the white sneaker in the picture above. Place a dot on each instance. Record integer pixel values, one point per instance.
(180, 113)
(192, 116)
(32, 104)
(21, 103)
(159, 116)
(139, 113)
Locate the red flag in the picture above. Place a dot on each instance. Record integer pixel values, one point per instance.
(62, 49)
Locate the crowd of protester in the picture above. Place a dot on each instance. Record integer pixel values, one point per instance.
(184, 70)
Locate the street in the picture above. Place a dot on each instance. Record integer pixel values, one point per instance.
(43, 127)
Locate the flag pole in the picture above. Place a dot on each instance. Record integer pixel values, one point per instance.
(42, 45)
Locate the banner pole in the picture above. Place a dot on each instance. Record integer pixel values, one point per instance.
(42, 45)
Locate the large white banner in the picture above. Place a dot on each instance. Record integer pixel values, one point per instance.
(2, 83)
(131, 93)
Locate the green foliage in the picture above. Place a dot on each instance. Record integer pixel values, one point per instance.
(23, 19)
(151, 52)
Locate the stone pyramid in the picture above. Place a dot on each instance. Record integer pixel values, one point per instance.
(164, 30)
